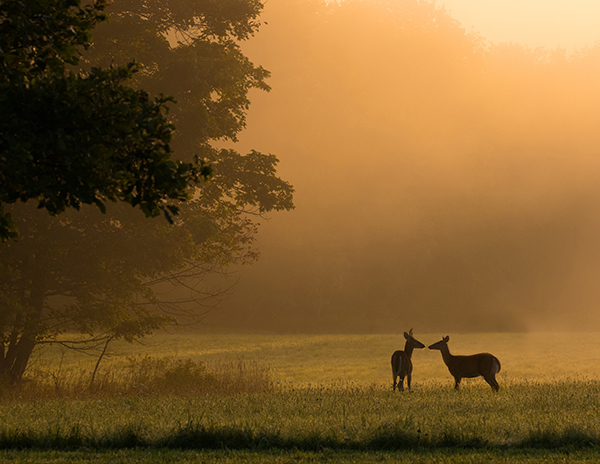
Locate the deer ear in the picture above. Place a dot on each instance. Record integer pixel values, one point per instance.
(405, 335)
(446, 338)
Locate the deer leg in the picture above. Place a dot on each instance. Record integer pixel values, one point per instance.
(456, 382)
(408, 378)
(493, 383)
(394, 385)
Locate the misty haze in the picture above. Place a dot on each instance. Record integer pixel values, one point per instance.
(442, 182)
(298, 231)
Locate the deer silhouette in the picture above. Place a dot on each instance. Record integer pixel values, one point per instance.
(402, 363)
(460, 367)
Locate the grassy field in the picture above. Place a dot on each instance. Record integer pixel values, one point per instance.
(329, 400)
(360, 360)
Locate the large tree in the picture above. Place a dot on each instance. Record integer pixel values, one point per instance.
(119, 275)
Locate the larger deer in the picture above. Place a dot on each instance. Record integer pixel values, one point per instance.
(460, 367)
(402, 363)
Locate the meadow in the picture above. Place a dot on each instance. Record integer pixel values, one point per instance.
(317, 398)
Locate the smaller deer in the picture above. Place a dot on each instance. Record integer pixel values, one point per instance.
(460, 367)
(402, 363)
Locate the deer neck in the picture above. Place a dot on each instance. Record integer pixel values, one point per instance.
(408, 349)
(446, 356)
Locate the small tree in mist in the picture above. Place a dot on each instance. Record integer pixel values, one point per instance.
(120, 276)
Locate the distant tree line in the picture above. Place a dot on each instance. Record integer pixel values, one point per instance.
(445, 181)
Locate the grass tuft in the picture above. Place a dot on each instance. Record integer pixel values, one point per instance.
(571, 438)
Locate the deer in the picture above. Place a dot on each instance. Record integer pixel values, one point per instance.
(475, 365)
(402, 363)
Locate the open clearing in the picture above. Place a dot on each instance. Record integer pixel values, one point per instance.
(331, 401)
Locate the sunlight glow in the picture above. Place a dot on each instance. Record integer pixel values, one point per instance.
(567, 24)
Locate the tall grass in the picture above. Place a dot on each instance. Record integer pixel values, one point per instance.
(556, 416)
(143, 376)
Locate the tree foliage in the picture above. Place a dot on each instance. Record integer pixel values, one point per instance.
(69, 138)
(119, 275)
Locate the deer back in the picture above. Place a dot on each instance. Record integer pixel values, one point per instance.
(401, 363)
(474, 365)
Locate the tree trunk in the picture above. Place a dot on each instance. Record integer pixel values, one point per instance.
(2, 358)
(20, 357)
(26, 327)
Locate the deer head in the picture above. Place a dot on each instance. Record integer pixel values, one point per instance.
(411, 341)
(439, 345)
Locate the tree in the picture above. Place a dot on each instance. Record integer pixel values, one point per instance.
(119, 275)
(69, 138)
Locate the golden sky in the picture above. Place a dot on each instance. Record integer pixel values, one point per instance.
(548, 23)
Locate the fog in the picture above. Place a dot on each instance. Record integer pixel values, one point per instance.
(536, 23)
(443, 182)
